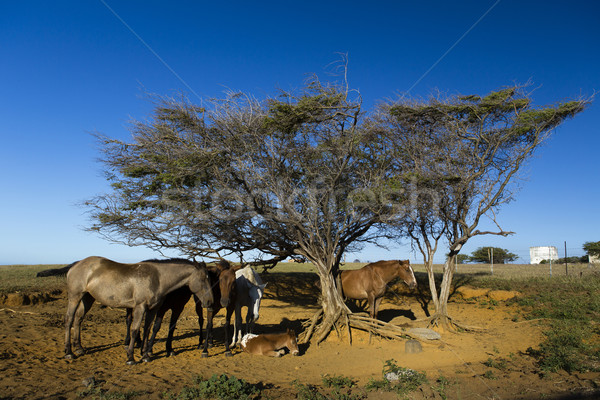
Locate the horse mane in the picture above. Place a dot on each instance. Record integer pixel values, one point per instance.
(169, 261)
(250, 274)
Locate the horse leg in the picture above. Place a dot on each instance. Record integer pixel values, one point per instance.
(138, 316)
(372, 311)
(175, 313)
(249, 321)
(72, 306)
(84, 306)
(376, 306)
(274, 353)
(237, 326)
(209, 327)
(146, 344)
(200, 315)
(128, 318)
(228, 313)
(155, 328)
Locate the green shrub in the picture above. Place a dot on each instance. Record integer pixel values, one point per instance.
(397, 379)
(338, 382)
(220, 387)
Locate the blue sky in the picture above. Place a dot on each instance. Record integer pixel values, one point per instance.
(70, 68)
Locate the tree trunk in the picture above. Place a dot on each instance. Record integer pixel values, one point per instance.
(441, 318)
(332, 303)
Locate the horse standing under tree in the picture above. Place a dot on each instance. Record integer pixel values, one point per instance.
(250, 289)
(222, 282)
(141, 286)
(370, 281)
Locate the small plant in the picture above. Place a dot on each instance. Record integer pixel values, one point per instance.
(217, 387)
(341, 389)
(397, 379)
(338, 382)
(442, 384)
(308, 392)
(498, 363)
(489, 374)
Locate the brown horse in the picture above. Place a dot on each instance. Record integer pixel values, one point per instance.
(141, 286)
(270, 344)
(370, 282)
(222, 282)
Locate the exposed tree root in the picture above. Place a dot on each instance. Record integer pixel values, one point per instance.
(309, 326)
(356, 321)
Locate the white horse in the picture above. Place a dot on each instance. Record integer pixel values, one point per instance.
(250, 289)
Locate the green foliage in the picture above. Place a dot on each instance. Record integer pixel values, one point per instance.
(338, 382)
(565, 348)
(397, 379)
(462, 258)
(440, 387)
(570, 260)
(484, 254)
(592, 248)
(220, 387)
(308, 392)
(499, 363)
(489, 374)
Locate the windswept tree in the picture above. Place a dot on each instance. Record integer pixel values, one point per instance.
(295, 175)
(464, 155)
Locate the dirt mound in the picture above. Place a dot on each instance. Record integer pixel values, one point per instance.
(470, 292)
(25, 299)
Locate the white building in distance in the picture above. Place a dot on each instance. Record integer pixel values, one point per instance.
(539, 253)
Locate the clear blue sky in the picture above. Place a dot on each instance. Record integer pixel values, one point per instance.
(73, 67)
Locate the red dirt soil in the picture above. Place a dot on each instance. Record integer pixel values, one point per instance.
(32, 346)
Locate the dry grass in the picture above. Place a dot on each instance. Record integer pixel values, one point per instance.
(21, 278)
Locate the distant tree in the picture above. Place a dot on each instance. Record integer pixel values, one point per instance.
(592, 248)
(570, 260)
(463, 154)
(483, 255)
(462, 258)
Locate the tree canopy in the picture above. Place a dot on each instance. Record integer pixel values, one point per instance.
(592, 248)
(461, 156)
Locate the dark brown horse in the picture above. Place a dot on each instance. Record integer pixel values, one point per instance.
(270, 344)
(222, 281)
(370, 281)
(141, 287)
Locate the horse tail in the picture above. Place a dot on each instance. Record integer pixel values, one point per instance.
(55, 271)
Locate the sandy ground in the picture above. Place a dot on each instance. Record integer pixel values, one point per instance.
(32, 346)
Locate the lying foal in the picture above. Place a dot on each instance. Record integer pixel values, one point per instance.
(270, 344)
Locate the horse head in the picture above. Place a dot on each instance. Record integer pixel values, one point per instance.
(406, 273)
(256, 293)
(293, 343)
(200, 285)
(227, 286)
